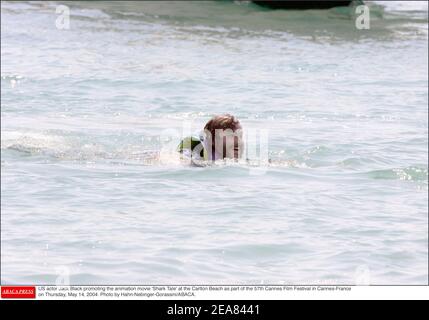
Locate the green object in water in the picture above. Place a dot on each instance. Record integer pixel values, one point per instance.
(192, 147)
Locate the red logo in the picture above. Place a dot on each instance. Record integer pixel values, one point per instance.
(18, 292)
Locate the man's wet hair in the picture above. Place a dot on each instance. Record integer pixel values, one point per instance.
(221, 123)
(225, 121)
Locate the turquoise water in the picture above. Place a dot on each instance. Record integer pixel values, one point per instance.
(89, 194)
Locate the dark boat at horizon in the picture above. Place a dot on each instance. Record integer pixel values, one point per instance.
(302, 5)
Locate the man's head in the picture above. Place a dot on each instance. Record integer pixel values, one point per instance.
(224, 137)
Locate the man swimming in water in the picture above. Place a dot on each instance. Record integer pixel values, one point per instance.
(222, 139)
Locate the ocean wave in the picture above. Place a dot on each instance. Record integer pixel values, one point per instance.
(411, 173)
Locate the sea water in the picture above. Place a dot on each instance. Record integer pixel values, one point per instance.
(87, 108)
